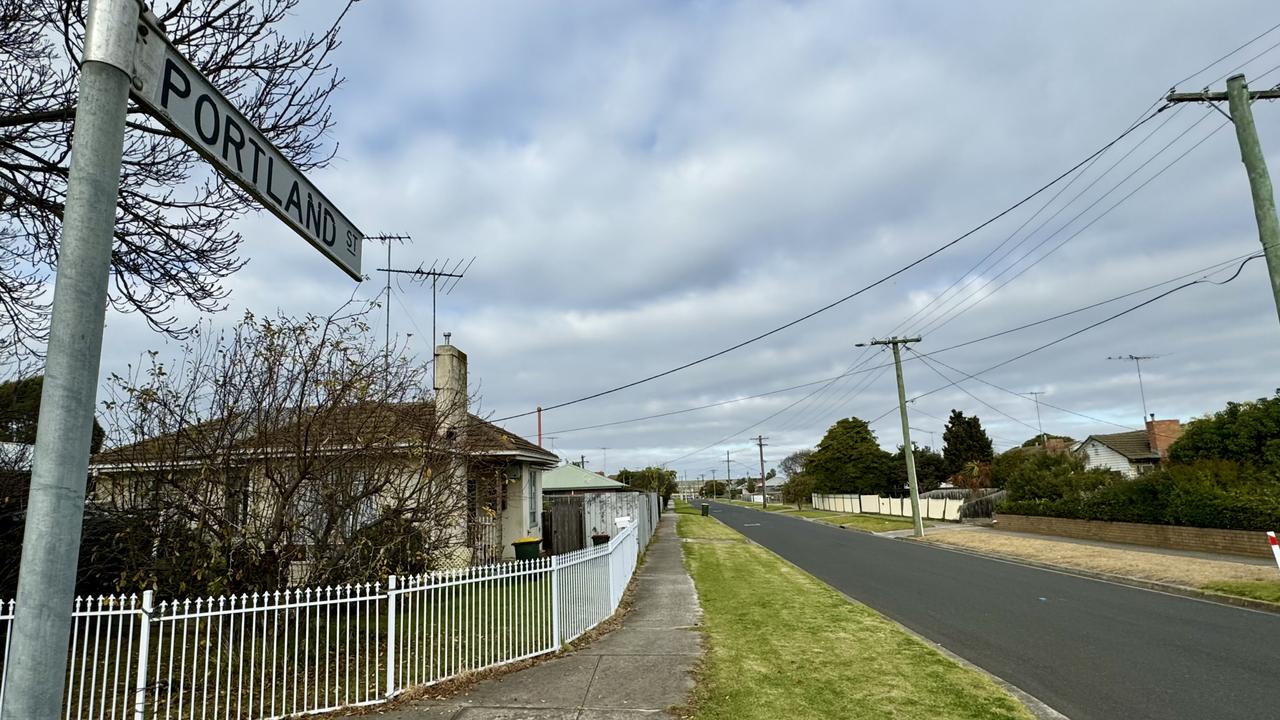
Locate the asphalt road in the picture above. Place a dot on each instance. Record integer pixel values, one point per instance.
(1088, 649)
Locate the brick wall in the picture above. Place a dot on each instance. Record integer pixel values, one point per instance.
(1234, 542)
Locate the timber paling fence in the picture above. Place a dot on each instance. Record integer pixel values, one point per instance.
(310, 650)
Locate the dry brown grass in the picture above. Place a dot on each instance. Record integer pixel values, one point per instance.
(1178, 570)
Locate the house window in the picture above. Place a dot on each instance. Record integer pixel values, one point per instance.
(531, 498)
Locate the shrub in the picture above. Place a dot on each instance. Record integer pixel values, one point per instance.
(797, 490)
(1247, 433)
(1213, 494)
(1036, 475)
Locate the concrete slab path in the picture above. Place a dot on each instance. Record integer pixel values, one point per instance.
(636, 671)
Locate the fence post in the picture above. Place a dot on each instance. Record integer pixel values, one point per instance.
(391, 635)
(144, 655)
(555, 601)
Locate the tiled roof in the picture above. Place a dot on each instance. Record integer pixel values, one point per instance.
(347, 426)
(1134, 445)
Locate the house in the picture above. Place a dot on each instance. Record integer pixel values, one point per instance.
(346, 469)
(1131, 453)
(573, 480)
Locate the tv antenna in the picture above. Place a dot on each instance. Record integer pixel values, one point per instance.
(439, 270)
(389, 240)
(1137, 362)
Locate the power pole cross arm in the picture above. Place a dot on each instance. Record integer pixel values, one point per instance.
(1176, 97)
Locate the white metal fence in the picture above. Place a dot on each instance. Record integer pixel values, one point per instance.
(931, 508)
(273, 655)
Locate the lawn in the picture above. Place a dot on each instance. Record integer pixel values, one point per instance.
(1259, 582)
(782, 644)
(871, 523)
(1268, 590)
(692, 525)
(815, 514)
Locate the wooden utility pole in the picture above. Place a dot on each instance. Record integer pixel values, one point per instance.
(895, 343)
(764, 493)
(1239, 99)
(727, 472)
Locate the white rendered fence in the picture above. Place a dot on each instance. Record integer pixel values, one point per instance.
(273, 655)
(931, 508)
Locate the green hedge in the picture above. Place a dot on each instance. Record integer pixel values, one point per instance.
(1208, 494)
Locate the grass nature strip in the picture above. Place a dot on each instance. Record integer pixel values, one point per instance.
(1257, 582)
(858, 521)
(871, 523)
(782, 644)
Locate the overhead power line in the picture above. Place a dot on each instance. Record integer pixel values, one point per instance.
(1088, 327)
(861, 369)
(1144, 118)
(957, 305)
(850, 296)
(964, 390)
(1246, 44)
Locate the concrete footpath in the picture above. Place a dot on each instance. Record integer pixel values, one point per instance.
(636, 671)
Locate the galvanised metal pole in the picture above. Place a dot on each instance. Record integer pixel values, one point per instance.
(37, 661)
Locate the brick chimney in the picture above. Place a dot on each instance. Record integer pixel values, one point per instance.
(451, 402)
(1161, 434)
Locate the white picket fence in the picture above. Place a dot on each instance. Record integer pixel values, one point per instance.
(310, 650)
(931, 508)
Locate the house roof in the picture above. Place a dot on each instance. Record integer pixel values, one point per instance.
(569, 478)
(1134, 445)
(348, 426)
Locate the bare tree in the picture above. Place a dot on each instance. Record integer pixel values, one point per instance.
(282, 451)
(173, 239)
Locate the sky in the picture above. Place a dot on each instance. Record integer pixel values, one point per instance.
(645, 184)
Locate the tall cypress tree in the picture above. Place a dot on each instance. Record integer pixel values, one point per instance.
(964, 441)
(849, 460)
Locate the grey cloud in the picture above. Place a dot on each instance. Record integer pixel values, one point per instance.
(647, 183)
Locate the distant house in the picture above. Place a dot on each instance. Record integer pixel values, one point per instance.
(573, 480)
(1131, 453)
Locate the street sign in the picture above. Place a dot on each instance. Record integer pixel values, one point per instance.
(188, 104)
